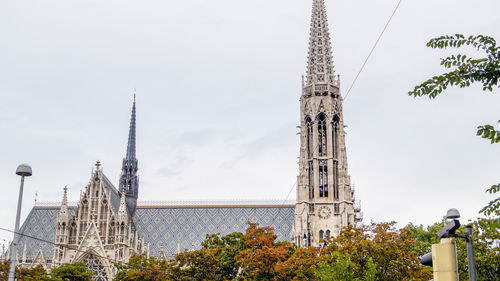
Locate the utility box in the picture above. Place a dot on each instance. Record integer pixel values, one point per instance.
(444, 260)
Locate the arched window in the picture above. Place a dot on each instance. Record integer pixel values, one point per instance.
(322, 135)
(327, 234)
(321, 234)
(335, 133)
(336, 155)
(323, 179)
(309, 137)
(95, 265)
(311, 179)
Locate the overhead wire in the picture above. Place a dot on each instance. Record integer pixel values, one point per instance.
(372, 49)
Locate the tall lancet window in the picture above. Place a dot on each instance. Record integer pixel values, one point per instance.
(309, 138)
(323, 179)
(311, 179)
(336, 155)
(335, 134)
(322, 135)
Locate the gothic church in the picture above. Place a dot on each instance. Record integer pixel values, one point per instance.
(108, 224)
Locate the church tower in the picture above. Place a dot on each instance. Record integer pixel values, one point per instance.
(324, 195)
(129, 180)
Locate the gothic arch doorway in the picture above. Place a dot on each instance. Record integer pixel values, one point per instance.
(96, 266)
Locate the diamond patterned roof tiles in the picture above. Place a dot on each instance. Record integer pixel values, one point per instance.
(172, 224)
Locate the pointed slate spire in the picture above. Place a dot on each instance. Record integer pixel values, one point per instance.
(320, 59)
(131, 134)
(129, 181)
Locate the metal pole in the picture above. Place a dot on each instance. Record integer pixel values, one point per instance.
(13, 259)
(471, 261)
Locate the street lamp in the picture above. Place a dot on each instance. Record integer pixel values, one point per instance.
(23, 170)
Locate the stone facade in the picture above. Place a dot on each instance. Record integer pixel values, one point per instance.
(325, 200)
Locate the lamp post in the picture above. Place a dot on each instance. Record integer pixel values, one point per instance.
(23, 170)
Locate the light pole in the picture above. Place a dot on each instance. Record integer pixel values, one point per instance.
(23, 170)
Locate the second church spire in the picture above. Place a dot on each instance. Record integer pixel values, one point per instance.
(129, 180)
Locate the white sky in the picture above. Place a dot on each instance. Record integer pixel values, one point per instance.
(218, 84)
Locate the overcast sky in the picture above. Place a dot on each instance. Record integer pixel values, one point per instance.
(218, 86)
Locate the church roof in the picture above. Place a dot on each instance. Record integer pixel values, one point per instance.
(172, 224)
(114, 194)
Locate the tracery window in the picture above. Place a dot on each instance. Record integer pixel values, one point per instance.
(327, 234)
(322, 135)
(311, 180)
(323, 179)
(94, 264)
(335, 153)
(309, 138)
(335, 130)
(321, 234)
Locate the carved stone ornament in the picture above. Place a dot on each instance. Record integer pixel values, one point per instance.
(324, 212)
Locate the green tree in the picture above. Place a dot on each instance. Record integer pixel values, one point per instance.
(71, 272)
(227, 248)
(465, 71)
(141, 268)
(340, 267)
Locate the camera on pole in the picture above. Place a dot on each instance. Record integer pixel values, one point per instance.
(443, 257)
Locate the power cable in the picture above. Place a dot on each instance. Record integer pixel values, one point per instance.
(371, 51)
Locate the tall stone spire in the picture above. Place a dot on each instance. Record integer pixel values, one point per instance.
(320, 60)
(131, 134)
(129, 180)
(324, 195)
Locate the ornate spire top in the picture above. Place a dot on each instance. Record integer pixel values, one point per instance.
(320, 59)
(131, 134)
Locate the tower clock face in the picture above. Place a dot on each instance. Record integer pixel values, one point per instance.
(324, 212)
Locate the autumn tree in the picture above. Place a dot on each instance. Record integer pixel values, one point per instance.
(259, 260)
(140, 267)
(465, 71)
(37, 273)
(392, 251)
(26, 274)
(300, 265)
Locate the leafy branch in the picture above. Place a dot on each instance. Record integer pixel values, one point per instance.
(494, 205)
(489, 132)
(467, 70)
